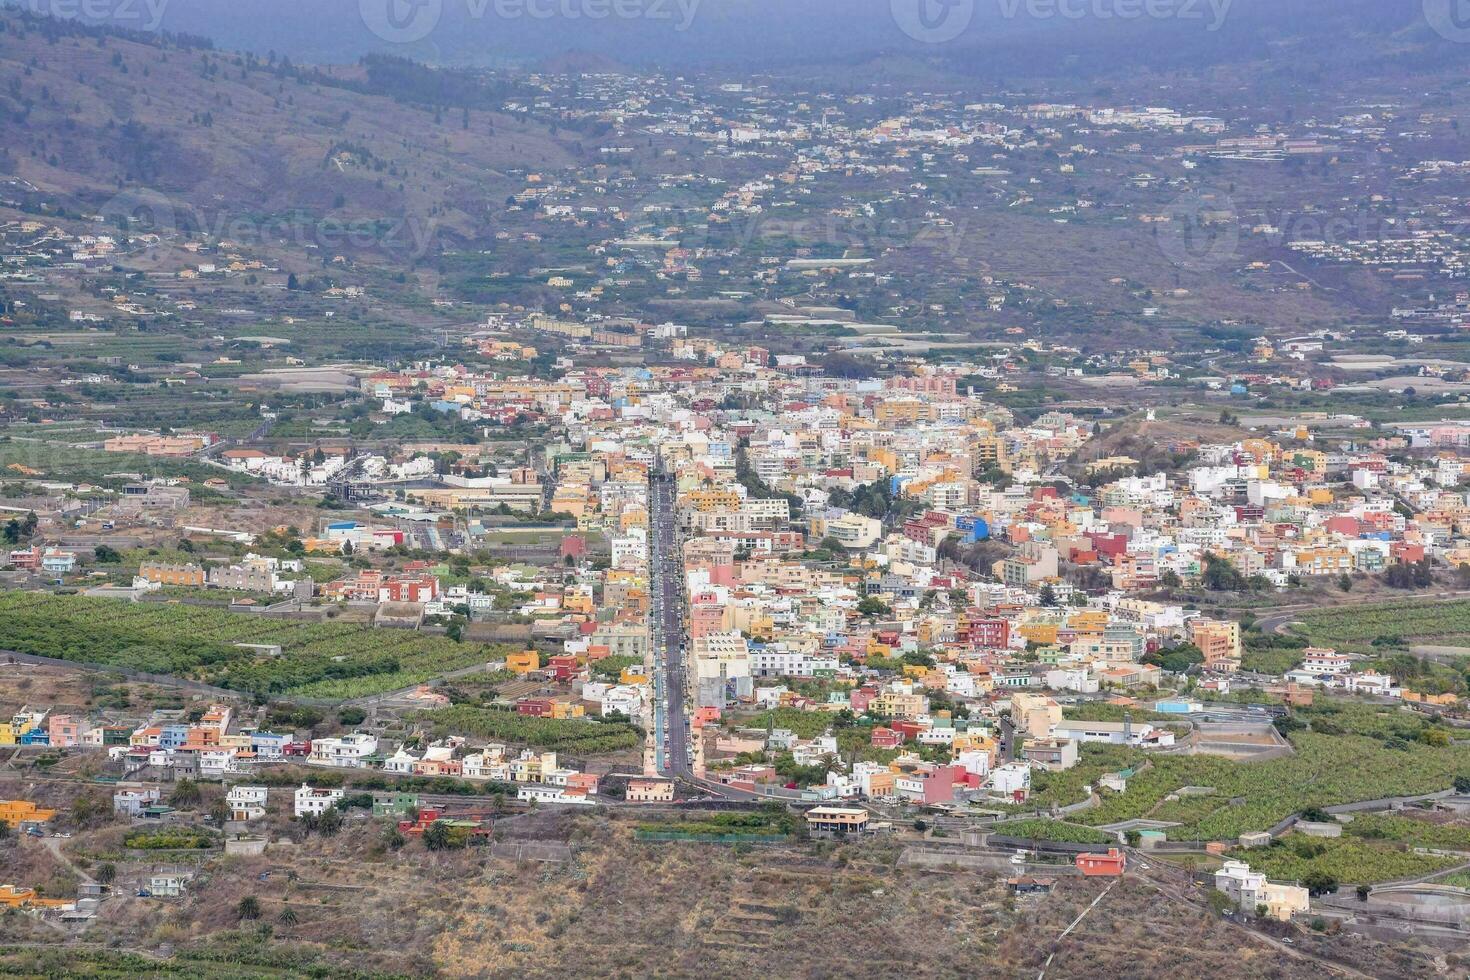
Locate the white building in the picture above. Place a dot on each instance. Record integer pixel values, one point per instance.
(246, 802)
(1250, 892)
(1009, 779)
(345, 752)
(318, 801)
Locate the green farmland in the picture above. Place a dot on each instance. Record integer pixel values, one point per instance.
(318, 660)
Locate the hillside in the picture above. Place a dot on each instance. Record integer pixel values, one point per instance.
(230, 138)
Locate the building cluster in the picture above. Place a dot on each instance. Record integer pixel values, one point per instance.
(219, 745)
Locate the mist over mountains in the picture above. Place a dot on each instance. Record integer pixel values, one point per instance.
(974, 37)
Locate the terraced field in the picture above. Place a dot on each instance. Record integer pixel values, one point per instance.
(318, 660)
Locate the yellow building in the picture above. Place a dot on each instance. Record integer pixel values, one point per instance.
(1040, 632)
(1219, 641)
(523, 662)
(12, 897)
(1035, 715)
(182, 575)
(19, 812)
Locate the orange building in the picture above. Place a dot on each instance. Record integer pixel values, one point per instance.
(1109, 865)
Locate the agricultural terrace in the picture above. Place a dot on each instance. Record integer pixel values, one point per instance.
(1356, 627)
(1348, 860)
(576, 736)
(1346, 752)
(318, 660)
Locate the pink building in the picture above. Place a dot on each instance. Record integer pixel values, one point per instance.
(65, 730)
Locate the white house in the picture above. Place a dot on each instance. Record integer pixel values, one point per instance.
(812, 753)
(317, 801)
(1371, 682)
(344, 752)
(246, 802)
(399, 762)
(1249, 890)
(1320, 661)
(1009, 779)
(170, 885)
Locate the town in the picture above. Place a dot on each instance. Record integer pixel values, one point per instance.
(634, 516)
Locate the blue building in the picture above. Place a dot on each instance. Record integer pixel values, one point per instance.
(972, 529)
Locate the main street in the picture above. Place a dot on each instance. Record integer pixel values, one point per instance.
(671, 724)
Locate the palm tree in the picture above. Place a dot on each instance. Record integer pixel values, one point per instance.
(248, 907)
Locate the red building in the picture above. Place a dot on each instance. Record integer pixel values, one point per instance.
(535, 707)
(886, 738)
(987, 633)
(1109, 865)
(563, 667)
(412, 588)
(476, 822)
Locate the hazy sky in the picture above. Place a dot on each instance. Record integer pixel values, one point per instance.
(730, 32)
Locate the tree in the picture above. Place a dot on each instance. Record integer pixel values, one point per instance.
(248, 908)
(1170, 579)
(106, 556)
(1221, 575)
(1364, 891)
(106, 873)
(872, 606)
(1048, 596)
(1319, 883)
(352, 716)
(437, 836)
(186, 793)
(329, 822)
(288, 916)
(1462, 783)
(1345, 582)
(219, 811)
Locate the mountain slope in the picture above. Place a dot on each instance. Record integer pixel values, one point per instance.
(87, 115)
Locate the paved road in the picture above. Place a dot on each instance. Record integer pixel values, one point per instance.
(671, 723)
